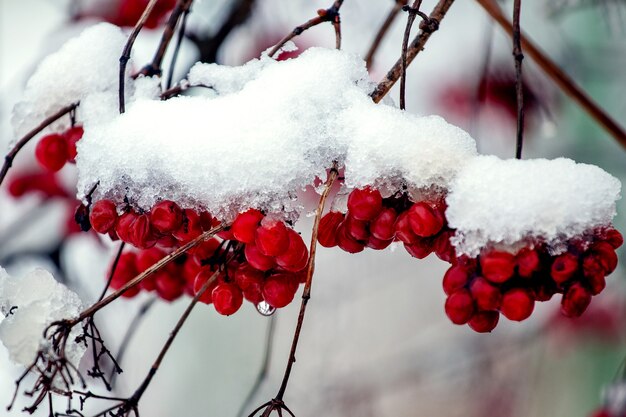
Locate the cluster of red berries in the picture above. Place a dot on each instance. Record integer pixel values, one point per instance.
(258, 258)
(54, 150)
(375, 222)
(499, 282)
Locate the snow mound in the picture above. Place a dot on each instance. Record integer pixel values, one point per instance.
(265, 131)
(494, 201)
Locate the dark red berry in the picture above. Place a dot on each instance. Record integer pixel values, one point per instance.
(421, 248)
(51, 152)
(455, 278)
(146, 258)
(614, 238)
(272, 238)
(201, 278)
(189, 228)
(346, 242)
(140, 233)
(606, 256)
(484, 321)
(103, 216)
(564, 267)
(72, 135)
(443, 247)
(575, 301)
(377, 244)
(124, 225)
(166, 216)
(497, 266)
(169, 287)
(227, 298)
(327, 232)
(594, 271)
(245, 225)
(517, 304)
(460, 307)
(487, 296)
(257, 260)
(383, 226)
(365, 203)
(297, 255)
(279, 289)
(250, 281)
(125, 271)
(357, 229)
(527, 262)
(404, 232)
(424, 219)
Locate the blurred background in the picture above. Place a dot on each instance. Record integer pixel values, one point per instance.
(376, 341)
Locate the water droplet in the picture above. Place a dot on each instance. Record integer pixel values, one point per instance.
(265, 309)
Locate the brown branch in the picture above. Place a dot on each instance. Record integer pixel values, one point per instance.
(154, 268)
(8, 159)
(179, 41)
(519, 90)
(562, 80)
(154, 68)
(380, 35)
(323, 15)
(113, 269)
(128, 48)
(427, 28)
(413, 13)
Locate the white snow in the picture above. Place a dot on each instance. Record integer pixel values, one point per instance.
(30, 303)
(264, 133)
(495, 201)
(83, 66)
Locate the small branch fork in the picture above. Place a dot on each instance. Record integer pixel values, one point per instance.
(8, 159)
(277, 404)
(562, 80)
(413, 11)
(323, 15)
(380, 35)
(428, 27)
(519, 90)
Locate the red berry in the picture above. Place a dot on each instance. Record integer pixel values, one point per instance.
(378, 244)
(227, 298)
(575, 301)
(140, 233)
(272, 238)
(147, 258)
(357, 229)
(125, 271)
(382, 227)
(456, 277)
(207, 222)
(201, 278)
(564, 267)
(365, 203)
(443, 247)
(460, 307)
(72, 135)
(168, 287)
(45, 183)
(257, 260)
(297, 256)
(594, 271)
(424, 219)
(487, 296)
(614, 238)
(245, 225)
(166, 216)
(497, 266)
(484, 321)
(607, 256)
(250, 281)
(420, 249)
(279, 289)
(204, 250)
(403, 229)
(527, 262)
(327, 232)
(51, 152)
(189, 228)
(346, 242)
(103, 216)
(124, 225)
(517, 304)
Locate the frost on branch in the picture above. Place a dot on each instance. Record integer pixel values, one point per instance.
(264, 133)
(509, 201)
(84, 66)
(29, 304)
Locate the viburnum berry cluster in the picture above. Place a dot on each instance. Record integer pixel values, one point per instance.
(258, 258)
(55, 149)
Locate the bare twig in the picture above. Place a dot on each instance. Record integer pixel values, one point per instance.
(128, 48)
(380, 35)
(427, 28)
(179, 41)
(414, 11)
(552, 70)
(519, 90)
(112, 272)
(8, 159)
(324, 15)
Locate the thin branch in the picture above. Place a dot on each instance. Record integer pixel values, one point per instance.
(8, 159)
(380, 35)
(128, 48)
(112, 273)
(563, 81)
(179, 41)
(427, 28)
(324, 15)
(413, 13)
(519, 90)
